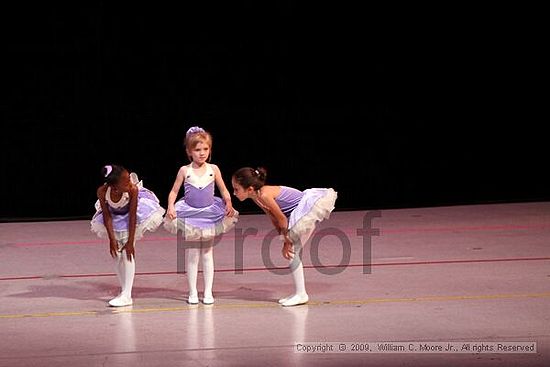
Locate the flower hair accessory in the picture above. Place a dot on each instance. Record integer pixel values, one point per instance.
(108, 170)
(194, 130)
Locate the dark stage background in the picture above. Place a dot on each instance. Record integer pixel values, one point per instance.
(391, 108)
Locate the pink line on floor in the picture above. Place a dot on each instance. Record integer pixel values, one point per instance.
(347, 231)
(433, 262)
(468, 228)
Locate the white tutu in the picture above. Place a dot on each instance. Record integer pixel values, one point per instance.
(315, 206)
(195, 233)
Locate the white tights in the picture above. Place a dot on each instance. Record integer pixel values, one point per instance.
(125, 270)
(203, 250)
(297, 270)
(300, 295)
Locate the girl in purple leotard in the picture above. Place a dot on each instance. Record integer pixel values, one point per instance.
(294, 214)
(199, 215)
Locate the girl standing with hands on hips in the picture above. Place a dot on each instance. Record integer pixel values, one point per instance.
(294, 214)
(124, 211)
(199, 214)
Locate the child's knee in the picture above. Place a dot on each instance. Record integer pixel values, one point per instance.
(207, 248)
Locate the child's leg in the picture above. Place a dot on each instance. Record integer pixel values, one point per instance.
(128, 271)
(298, 273)
(207, 251)
(125, 270)
(300, 295)
(193, 253)
(119, 271)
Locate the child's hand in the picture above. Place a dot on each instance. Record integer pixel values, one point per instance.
(171, 213)
(130, 251)
(288, 250)
(113, 248)
(229, 211)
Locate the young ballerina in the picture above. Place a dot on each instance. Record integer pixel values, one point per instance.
(199, 214)
(294, 214)
(125, 210)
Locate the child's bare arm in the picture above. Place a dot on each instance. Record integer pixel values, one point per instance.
(132, 218)
(223, 191)
(107, 220)
(173, 195)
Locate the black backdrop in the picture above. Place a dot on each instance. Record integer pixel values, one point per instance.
(392, 109)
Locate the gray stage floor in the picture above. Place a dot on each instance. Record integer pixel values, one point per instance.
(474, 275)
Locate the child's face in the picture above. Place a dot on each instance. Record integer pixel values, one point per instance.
(124, 181)
(200, 153)
(240, 192)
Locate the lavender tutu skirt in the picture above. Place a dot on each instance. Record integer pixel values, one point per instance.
(201, 223)
(149, 217)
(315, 206)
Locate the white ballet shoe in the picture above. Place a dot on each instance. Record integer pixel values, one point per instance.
(295, 300)
(121, 301)
(115, 299)
(208, 300)
(193, 299)
(284, 299)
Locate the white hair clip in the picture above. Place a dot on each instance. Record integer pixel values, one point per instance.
(108, 170)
